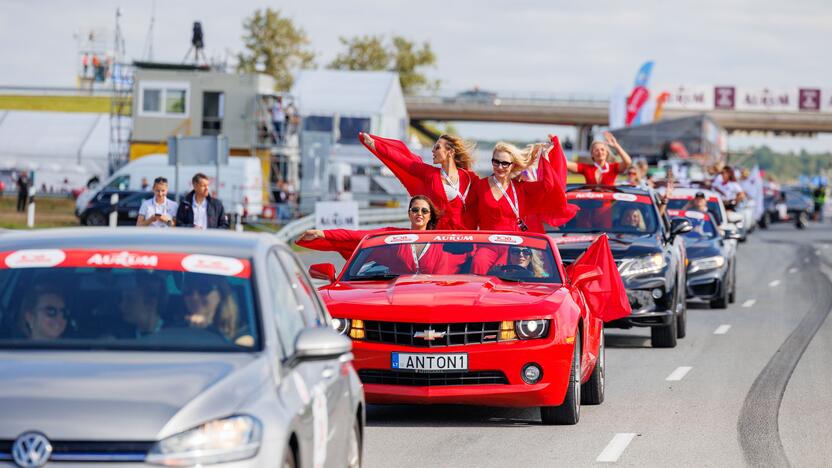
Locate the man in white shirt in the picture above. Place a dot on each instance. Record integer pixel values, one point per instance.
(199, 209)
(158, 211)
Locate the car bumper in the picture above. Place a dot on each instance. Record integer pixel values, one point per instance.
(553, 356)
(647, 311)
(705, 285)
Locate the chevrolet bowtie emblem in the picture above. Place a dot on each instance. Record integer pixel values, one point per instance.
(429, 335)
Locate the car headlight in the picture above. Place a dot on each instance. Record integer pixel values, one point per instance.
(707, 263)
(341, 325)
(642, 265)
(219, 441)
(530, 329)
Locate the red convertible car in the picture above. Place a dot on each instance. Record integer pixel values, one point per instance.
(524, 333)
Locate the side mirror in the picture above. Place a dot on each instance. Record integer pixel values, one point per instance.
(680, 226)
(321, 343)
(585, 273)
(322, 271)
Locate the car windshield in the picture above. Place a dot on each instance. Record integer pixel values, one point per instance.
(617, 213)
(683, 204)
(529, 260)
(702, 229)
(121, 300)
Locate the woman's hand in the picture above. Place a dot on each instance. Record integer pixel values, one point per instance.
(610, 139)
(310, 235)
(368, 140)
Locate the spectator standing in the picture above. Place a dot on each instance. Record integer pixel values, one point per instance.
(145, 184)
(278, 119)
(23, 184)
(158, 211)
(819, 196)
(199, 209)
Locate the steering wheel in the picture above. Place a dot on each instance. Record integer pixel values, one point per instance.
(515, 271)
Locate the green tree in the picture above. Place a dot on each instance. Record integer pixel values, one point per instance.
(400, 55)
(274, 46)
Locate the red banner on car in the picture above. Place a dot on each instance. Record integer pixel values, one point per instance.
(612, 196)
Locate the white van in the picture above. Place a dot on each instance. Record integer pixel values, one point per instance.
(241, 181)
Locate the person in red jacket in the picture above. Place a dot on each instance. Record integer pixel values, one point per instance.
(448, 185)
(602, 172)
(498, 203)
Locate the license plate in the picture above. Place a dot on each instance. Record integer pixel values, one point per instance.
(424, 362)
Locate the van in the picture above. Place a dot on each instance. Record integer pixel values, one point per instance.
(241, 181)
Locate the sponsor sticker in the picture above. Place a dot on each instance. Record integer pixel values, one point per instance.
(585, 195)
(505, 239)
(34, 258)
(124, 259)
(212, 265)
(574, 239)
(453, 238)
(401, 239)
(624, 197)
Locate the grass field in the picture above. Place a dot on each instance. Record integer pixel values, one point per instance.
(49, 213)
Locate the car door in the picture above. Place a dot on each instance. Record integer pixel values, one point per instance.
(325, 376)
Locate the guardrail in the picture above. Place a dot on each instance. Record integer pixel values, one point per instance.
(368, 218)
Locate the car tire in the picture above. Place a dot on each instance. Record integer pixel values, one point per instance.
(721, 302)
(765, 221)
(96, 218)
(354, 447)
(664, 337)
(568, 412)
(289, 460)
(592, 392)
(682, 316)
(802, 220)
(732, 295)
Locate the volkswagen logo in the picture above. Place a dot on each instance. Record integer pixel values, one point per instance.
(31, 450)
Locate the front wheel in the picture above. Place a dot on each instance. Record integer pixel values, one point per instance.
(592, 392)
(354, 455)
(289, 460)
(569, 411)
(96, 218)
(732, 295)
(802, 220)
(665, 337)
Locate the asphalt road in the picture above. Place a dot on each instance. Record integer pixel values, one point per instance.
(749, 385)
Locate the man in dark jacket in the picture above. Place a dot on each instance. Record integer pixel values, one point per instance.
(199, 210)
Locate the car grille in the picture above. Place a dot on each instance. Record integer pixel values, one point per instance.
(88, 451)
(432, 379)
(705, 289)
(403, 333)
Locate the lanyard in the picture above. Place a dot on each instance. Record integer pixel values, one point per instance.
(416, 258)
(447, 179)
(604, 169)
(515, 206)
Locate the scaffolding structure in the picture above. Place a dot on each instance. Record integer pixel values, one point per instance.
(121, 121)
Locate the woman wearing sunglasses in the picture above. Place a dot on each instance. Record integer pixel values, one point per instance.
(448, 185)
(421, 212)
(45, 315)
(522, 262)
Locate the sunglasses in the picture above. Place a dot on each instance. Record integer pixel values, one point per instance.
(417, 210)
(52, 311)
(497, 162)
(520, 251)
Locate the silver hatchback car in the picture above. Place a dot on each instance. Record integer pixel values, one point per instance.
(169, 347)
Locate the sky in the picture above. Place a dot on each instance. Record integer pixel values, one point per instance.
(547, 47)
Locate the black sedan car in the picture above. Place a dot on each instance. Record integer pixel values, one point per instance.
(647, 248)
(712, 266)
(97, 212)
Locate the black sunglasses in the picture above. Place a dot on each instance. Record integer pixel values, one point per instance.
(497, 162)
(160, 180)
(525, 251)
(417, 210)
(52, 311)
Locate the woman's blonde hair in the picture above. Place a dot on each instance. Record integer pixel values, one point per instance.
(536, 265)
(463, 150)
(521, 159)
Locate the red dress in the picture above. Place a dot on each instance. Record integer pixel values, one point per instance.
(419, 178)
(607, 178)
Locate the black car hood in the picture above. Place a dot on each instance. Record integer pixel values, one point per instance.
(702, 248)
(621, 245)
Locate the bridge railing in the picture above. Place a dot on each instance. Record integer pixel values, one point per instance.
(513, 99)
(368, 218)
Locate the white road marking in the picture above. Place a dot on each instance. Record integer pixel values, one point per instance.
(612, 452)
(774, 284)
(749, 303)
(678, 374)
(722, 329)
(792, 270)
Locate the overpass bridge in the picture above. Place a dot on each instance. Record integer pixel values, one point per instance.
(586, 111)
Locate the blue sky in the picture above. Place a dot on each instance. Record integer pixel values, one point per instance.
(514, 46)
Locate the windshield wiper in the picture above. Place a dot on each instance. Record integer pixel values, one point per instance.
(379, 277)
(513, 279)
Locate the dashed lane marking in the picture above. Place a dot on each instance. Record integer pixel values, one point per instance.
(612, 452)
(678, 374)
(774, 284)
(749, 303)
(722, 329)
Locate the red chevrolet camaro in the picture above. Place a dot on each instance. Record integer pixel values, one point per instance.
(480, 318)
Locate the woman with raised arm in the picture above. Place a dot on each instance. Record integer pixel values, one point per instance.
(602, 172)
(448, 185)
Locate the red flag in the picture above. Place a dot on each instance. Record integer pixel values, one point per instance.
(634, 103)
(605, 295)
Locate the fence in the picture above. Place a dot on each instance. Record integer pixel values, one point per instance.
(369, 218)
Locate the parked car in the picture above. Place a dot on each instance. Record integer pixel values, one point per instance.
(789, 205)
(478, 96)
(712, 265)
(519, 335)
(650, 254)
(182, 348)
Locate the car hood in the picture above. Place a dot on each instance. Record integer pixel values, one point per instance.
(432, 297)
(621, 245)
(126, 396)
(702, 248)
